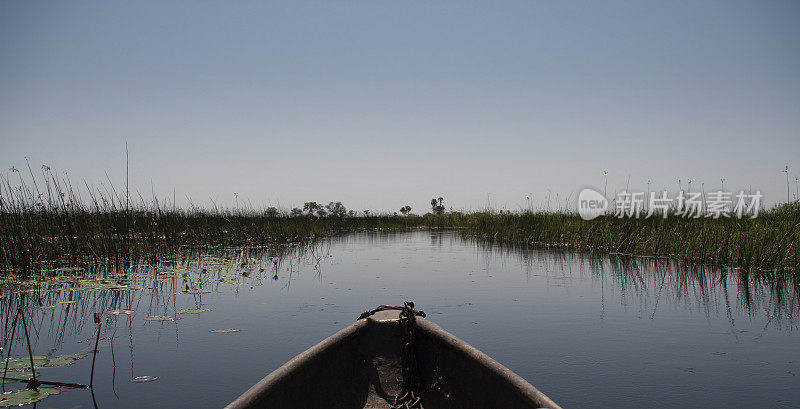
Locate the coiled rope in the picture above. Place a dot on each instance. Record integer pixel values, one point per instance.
(409, 395)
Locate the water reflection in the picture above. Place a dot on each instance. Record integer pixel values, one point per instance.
(287, 297)
(644, 283)
(60, 302)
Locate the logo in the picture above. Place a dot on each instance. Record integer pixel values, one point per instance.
(591, 204)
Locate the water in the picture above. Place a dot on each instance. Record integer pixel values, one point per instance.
(588, 332)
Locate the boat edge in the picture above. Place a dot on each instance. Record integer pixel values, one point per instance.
(254, 393)
(524, 388)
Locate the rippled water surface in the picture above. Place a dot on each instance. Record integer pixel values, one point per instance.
(588, 332)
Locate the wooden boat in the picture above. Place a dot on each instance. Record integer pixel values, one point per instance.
(365, 366)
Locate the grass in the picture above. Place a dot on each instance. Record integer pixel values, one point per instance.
(45, 219)
(768, 242)
(28, 238)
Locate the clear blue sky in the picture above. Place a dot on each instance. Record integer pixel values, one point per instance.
(381, 104)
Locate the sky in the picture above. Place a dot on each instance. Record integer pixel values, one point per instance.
(383, 104)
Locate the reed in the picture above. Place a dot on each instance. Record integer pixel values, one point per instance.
(766, 243)
(45, 219)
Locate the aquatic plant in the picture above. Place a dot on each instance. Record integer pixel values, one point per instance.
(45, 219)
(765, 243)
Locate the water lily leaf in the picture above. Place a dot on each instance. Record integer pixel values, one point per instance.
(24, 362)
(18, 377)
(223, 331)
(26, 396)
(195, 311)
(118, 312)
(63, 360)
(147, 378)
(197, 291)
(159, 318)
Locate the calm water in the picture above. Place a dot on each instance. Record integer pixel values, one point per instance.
(587, 332)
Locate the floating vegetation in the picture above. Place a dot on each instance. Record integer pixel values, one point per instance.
(223, 331)
(95, 290)
(196, 291)
(161, 318)
(146, 378)
(119, 312)
(27, 396)
(17, 377)
(63, 360)
(39, 361)
(23, 363)
(193, 311)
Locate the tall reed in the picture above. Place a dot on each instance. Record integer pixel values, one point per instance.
(44, 218)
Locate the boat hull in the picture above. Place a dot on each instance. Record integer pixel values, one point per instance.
(359, 367)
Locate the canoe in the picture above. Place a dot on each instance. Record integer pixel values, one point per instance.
(362, 366)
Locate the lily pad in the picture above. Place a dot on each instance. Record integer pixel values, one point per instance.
(63, 360)
(194, 311)
(118, 312)
(17, 377)
(140, 379)
(197, 291)
(223, 331)
(26, 396)
(24, 362)
(159, 318)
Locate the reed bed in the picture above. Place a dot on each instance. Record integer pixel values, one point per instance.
(766, 243)
(30, 238)
(44, 219)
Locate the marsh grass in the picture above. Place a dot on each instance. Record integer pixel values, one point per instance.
(766, 243)
(44, 219)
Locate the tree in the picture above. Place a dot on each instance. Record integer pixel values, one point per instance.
(272, 212)
(336, 209)
(321, 212)
(405, 210)
(311, 207)
(437, 206)
(296, 212)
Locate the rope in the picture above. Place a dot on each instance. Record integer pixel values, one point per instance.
(409, 395)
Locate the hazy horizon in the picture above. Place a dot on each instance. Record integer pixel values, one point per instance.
(380, 105)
